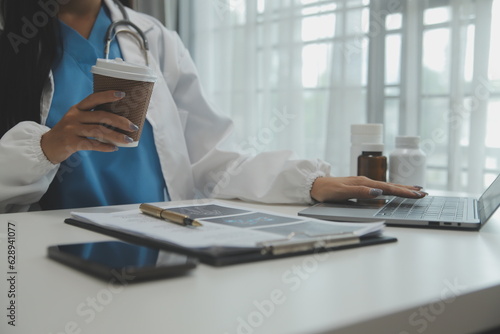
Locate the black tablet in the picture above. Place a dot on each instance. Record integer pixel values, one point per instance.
(122, 262)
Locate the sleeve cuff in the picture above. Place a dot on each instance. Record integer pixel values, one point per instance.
(309, 183)
(35, 149)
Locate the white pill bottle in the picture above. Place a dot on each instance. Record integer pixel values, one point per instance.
(407, 163)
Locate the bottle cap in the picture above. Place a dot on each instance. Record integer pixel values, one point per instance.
(367, 129)
(407, 141)
(368, 147)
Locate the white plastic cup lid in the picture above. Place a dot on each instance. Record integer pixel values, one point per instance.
(118, 68)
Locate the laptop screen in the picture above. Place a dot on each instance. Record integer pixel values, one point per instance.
(489, 201)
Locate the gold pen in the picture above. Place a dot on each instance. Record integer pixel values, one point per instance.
(171, 216)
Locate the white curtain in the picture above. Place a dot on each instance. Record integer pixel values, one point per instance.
(271, 71)
(295, 74)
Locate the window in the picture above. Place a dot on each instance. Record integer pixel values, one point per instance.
(295, 74)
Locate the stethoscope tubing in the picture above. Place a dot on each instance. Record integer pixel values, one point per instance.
(111, 34)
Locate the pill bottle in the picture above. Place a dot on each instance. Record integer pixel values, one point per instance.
(407, 163)
(363, 134)
(372, 163)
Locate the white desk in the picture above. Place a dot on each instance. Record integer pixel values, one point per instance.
(430, 281)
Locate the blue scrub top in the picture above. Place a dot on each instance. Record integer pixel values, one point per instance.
(89, 178)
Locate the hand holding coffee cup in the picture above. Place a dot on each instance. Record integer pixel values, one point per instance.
(136, 81)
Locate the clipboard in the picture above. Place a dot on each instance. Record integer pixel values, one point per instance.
(217, 255)
(223, 256)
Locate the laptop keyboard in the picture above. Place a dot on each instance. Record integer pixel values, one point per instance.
(427, 208)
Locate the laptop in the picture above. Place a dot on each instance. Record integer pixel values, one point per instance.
(463, 213)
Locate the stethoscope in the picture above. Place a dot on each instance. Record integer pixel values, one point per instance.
(111, 33)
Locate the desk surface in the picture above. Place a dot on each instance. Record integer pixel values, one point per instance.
(430, 281)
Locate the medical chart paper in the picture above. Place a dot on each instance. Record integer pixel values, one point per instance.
(224, 226)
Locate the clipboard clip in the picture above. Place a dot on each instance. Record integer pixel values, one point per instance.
(287, 246)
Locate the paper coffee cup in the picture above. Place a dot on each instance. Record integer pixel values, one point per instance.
(136, 81)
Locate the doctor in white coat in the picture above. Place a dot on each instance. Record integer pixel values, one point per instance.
(189, 136)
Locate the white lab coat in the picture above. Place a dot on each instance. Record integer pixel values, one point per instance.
(189, 137)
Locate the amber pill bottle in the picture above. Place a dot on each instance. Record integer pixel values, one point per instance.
(372, 163)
